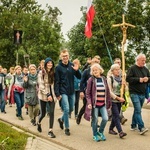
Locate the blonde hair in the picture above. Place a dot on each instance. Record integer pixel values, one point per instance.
(17, 67)
(97, 66)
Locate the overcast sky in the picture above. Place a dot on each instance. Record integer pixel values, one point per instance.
(70, 9)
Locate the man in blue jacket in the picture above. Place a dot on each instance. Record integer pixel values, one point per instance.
(64, 87)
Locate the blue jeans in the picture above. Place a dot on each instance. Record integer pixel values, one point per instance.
(137, 101)
(19, 100)
(2, 101)
(95, 114)
(67, 104)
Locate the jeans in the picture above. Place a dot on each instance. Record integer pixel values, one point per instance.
(104, 114)
(67, 104)
(2, 101)
(115, 122)
(19, 99)
(137, 101)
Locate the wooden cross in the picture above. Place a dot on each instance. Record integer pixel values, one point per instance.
(124, 27)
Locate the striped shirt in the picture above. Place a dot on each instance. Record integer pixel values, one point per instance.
(100, 88)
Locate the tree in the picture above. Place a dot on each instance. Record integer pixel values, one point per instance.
(110, 12)
(42, 35)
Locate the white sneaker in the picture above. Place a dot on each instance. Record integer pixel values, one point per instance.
(143, 131)
(134, 129)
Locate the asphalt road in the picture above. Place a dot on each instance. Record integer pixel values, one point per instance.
(81, 135)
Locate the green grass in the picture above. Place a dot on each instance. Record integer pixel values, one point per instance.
(11, 139)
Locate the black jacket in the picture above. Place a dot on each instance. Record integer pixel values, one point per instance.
(64, 78)
(133, 77)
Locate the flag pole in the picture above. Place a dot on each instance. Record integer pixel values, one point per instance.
(105, 41)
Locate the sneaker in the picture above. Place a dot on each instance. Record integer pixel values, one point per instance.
(113, 132)
(20, 118)
(51, 134)
(123, 120)
(78, 120)
(16, 113)
(143, 131)
(101, 136)
(67, 132)
(33, 122)
(4, 112)
(60, 123)
(133, 129)
(39, 127)
(122, 134)
(96, 138)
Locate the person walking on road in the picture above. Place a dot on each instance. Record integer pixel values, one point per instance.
(2, 91)
(77, 90)
(46, 95)
(31, 93)
(98, 101)
(138, 77)
(114, 83)
(85, 76)
(16, 91)
(118, 61)
(64, 87)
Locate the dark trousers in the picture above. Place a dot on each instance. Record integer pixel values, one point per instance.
(50, 111)
(82, 110)
(77, 96)
(116, 107)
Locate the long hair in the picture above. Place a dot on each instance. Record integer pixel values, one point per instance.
(50, 74)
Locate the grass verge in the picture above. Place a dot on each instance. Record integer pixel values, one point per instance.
(11, 139)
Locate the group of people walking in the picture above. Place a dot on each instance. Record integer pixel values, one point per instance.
(41, 87)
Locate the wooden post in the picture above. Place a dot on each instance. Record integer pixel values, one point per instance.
(124, 27)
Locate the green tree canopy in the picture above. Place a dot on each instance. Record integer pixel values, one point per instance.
(41, 37)
(110, 12)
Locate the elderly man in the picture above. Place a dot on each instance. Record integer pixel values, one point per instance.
(138, 76)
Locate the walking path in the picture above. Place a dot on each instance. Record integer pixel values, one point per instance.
(81, 135)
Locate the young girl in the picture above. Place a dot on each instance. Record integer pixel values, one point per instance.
(46, 94)
(98, 100)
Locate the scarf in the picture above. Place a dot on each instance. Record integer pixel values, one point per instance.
(118, 79)
(33, 76)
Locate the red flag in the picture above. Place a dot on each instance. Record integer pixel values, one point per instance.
(89, 19)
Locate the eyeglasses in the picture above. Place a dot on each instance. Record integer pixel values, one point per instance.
(118, 62)
(64, 55)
